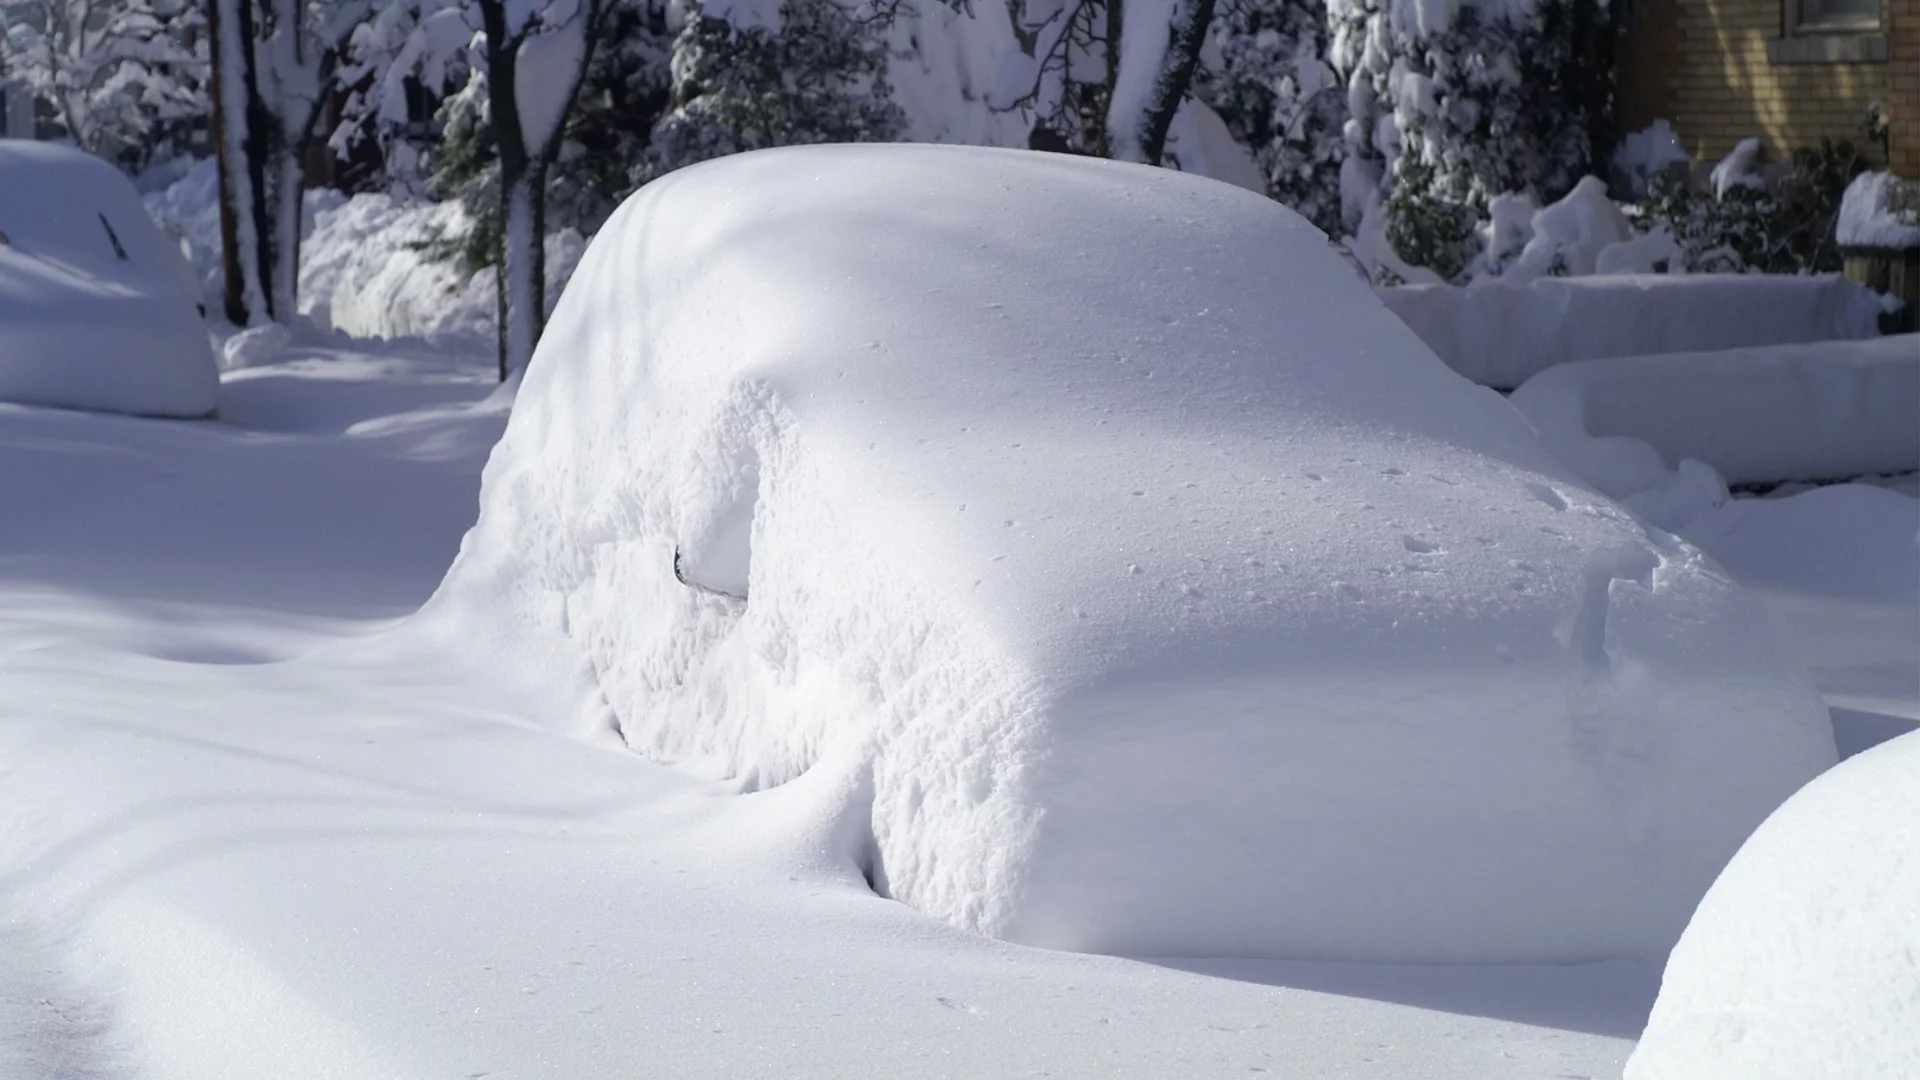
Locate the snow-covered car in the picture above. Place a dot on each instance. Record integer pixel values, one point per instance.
(98, 309)
(1089, 543)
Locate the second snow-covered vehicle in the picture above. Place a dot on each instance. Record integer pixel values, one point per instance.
(98, 309)
(1130, 580)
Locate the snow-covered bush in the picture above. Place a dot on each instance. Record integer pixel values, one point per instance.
(745, 80)
(1267, 76)
(1642, 155)
(1128, 603)
(1450, 105)
(1780, 224)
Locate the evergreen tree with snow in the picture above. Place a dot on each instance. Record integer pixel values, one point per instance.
(1269, 80)
(814, 72)
(1451, 105)
(126, 79)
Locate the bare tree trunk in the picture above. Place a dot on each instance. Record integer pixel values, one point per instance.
(288, 189)
(521, 281)
(233, 277)
(239, 137)
(525, 267)
(1185, 40)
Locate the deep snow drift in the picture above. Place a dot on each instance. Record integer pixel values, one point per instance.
(98, 310)
(1500, 334)
(1804, 958)
(1146, 585)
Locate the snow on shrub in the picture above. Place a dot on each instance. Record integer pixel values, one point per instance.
(1501, 333)
(1822, 411)
(1138, 606)
(1452, 104)
(1804, 958)
(98, 309)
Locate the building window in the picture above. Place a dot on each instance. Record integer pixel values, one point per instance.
(1835, 16)
(1830, 32)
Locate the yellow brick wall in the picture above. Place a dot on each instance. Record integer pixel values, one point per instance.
(1702, 65)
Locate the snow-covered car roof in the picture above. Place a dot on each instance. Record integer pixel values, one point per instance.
(97, 307)
(1145, 584)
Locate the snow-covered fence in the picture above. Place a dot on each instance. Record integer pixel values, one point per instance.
(1501, 334)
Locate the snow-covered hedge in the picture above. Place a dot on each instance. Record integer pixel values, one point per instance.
(1790, 412)
(1804, 959)
(1500, 334)
(1127, 605)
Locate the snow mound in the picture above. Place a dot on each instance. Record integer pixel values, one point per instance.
(1869, 219)
(1804, 958)
(1154, 591)
(98, 309)
(1500, 334)
(1828, 410)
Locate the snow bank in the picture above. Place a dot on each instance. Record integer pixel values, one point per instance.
(1501, 334)
(98, 310)
(380, 267)
(1791, 412)
(1804, 958)
(1150, 589)
(1867, 218)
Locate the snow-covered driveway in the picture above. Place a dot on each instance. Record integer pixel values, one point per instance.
(247, 828)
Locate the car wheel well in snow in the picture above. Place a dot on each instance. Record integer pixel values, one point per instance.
(680, 575)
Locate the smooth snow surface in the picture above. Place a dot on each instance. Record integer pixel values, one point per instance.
(1136, 581)
(1804, 958)
(1866, 220)
(249, 828)
(1500, 334)
(1823, 411)
(98, 309)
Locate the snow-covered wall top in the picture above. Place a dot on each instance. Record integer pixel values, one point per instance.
(1501, 334)
(1152, 589)
(1818, 411)
(98, 309)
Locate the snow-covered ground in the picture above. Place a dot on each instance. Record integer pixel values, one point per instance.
(248, 829)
